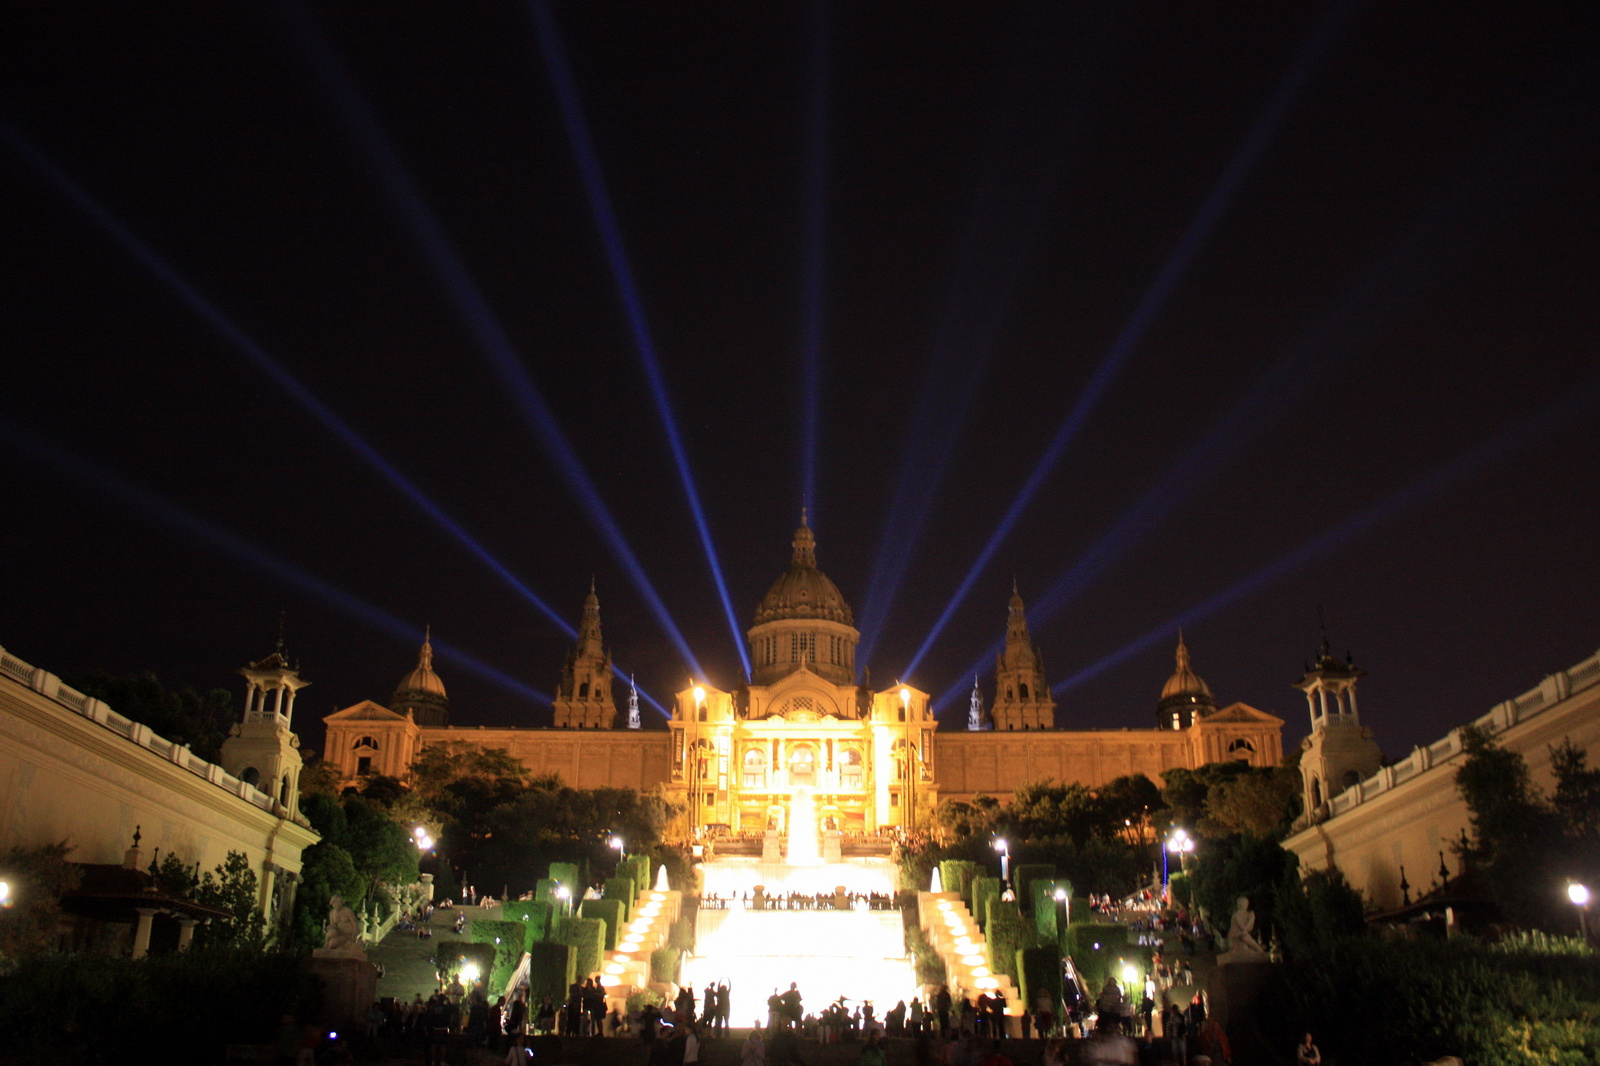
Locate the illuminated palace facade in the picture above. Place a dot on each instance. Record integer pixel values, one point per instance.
(867, 760)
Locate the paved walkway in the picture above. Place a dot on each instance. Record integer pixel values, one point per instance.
(407, 959)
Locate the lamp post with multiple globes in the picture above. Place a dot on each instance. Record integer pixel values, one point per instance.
(1579, 895)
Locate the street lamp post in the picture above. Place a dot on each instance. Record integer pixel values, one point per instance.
(1579, 895)
(618, 843)
(1005, 860)
(1180, 843)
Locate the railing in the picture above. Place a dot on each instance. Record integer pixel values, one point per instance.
(51, 687)
(1552, 691)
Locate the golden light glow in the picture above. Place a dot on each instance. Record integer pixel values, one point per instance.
(974, 960)
(963, 943)
(615, 967)
(699, 694)
(944, 904)
(980, 971)
(986, 983)
(905, 696)
(469, 973)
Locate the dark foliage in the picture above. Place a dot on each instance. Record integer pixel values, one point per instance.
(182, 715)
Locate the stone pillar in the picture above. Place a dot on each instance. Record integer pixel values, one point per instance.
(186, 932)
(141, 932)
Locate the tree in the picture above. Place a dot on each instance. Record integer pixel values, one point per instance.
(232, 886)
(1263, 803)
(36, 878)
(1186, 790)
(319, 776)
(182, 715)
(326, 871)
(550, 822)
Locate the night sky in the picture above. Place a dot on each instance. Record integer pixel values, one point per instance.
(1306, 296)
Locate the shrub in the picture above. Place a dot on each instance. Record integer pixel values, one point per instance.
(681, 936)
(588, 936)
(1005, 937)
(534, 913)
(637, 867)
(98, 1008)
(1023, 875)
(956, 876)
(510, 940)
(1079, 912)
(664, 965)
(545, 892)
(930, 967)
(552, 968)
(1041, 975)
(1047, 910)
(1181, 889)
(1509, 1005)
(984, 889)
(622, 890)
(609, 911)
(566, 873)
(645, 997)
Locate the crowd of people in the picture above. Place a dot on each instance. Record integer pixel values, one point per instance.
(798, 901)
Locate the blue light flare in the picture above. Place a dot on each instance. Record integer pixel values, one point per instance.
(594, 184)
(1023, 164)
(197, 302)
(480, 320)
(811, 260)
(232, 544)
(1267, 122)
(1498, 448)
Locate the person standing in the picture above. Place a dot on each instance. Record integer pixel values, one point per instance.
(691, 1044)
(916, 1016)
(708, 1006)
(941, 1010)
(722, 1008)
(871, 1051)
(1307, 1054)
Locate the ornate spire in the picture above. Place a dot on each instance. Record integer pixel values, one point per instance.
(425, 655)
(633, 704)
(589, 628)
(975, 707)
(1182, 656)
(805, 544)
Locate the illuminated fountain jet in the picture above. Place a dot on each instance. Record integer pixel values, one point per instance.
(803, 850)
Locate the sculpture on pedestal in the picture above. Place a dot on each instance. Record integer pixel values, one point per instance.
(342, 933)
(1241, 933)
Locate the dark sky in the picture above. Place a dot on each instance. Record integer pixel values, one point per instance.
(1380, 332)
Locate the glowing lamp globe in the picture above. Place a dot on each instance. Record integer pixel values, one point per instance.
(469, 973)
(1578, 894)
(1129, 974)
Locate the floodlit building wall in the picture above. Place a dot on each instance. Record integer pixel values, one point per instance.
(72, 769)
(1410, 814)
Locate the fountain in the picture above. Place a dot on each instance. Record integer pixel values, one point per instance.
(803, 829)
(935, 885)
(662, 884)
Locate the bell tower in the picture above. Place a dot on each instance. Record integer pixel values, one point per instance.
(261, 748)
(1021, 695)
(1340, 751)
(583, 700)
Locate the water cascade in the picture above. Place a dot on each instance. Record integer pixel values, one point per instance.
(803, 850)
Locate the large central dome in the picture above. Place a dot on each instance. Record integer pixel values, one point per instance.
(804, 591)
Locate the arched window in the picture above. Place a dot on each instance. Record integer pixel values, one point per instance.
(366, 742)
(849, 768)
(251, 776)
(1316, 793)
(283, 791)
(1241, 748)
(1010, 695)
(583, 691)
(1351, 779)
(1023, 689)
(802, 766)
(755, 768)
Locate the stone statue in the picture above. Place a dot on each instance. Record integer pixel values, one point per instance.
(1241, 939)
(342, 933)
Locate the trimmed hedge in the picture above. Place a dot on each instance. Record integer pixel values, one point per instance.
(622, 889)
(545, 892)
(552, 968)
(1079, 912)
(588, 936)
(533, 913)
(984, 889)
(638, 868)
(1005, 937)
(567, 873)
(955, 875)
(1041, 975)
(1023, 875)
(1095, 948)
(1048, 913)
(609, 911)
(510, 940)
(681, 935)
(664, 965)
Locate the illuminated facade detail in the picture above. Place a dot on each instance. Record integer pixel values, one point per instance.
(421, 692)
(633, 704)
(1340, 752)
(262, 749)
(803, 727)
(583, 699)
(1021, 695)
(1185, 698)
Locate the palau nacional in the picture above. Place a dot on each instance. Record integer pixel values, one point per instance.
(803, 730)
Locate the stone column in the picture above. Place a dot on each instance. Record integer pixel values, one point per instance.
(141, 932)
(185, 932)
